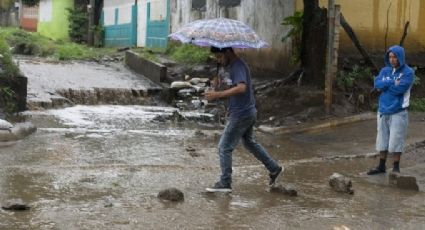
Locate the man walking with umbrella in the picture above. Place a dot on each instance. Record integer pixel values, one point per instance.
(222, 35)
(242, 118)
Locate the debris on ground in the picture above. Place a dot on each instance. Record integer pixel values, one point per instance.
(171, 194)
(341, 183)
(15, 205)
(287, 190)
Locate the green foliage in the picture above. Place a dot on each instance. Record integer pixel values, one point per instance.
(346, 80)
(71, 51)
(30, 2)
(78, 24)
(417, 104)
(188, 54)
(294, 33)
(8, 68)
(7, 100)
(28, 43)
(99, 35)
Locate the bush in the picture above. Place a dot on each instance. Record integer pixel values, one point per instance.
(28, 43)
(417, 104)
(7, 67)
(78, 24)
(346, 79)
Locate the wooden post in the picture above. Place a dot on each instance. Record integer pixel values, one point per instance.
(329, 56)
(334, 25)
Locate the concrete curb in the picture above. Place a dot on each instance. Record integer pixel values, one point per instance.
(317, 125)
(156, 72)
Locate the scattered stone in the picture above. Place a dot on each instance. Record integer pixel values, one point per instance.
(159, 118)
(190, 149)
(199, 88)
(341, 183)
(195, 81)
(180, 85)
(287, 190)
(187, 92)
(192, 152)
(15, 205)
(404, 181)
(200, 68)
(108, 204)
(199, 133)
(341, 227)
(204, 80)
(5, 125)
(171, 194)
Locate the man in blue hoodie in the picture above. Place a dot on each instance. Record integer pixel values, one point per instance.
(394, 83)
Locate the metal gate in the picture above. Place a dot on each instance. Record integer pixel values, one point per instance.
(158, 23)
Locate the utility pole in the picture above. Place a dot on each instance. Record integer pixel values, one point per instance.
(91, 9)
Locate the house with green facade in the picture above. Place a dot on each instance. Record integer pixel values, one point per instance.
(53, 18)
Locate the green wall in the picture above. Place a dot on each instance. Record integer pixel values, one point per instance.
(57, 28)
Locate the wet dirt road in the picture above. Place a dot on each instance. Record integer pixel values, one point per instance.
(101, 167)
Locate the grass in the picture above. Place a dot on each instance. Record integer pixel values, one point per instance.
(29, 43)
(187, 53)
(147, 53)
(181, 53)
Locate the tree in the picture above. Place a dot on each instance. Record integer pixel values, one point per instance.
(313, 43)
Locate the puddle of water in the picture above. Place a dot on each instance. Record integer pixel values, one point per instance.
(83, 158)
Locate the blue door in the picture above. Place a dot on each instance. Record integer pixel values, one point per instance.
(121, 34)
(158, 23)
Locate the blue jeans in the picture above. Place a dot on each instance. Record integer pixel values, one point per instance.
(234, 131)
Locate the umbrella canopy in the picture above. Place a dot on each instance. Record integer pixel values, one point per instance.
(219, 32)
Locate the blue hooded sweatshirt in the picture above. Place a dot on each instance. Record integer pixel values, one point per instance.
(394, 83)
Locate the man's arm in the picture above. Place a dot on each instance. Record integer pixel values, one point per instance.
(381, 84)
(238, 89)
(401, 85)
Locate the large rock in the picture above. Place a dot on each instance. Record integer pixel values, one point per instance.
(180, 85)
(171, 194)
(5, 125)
(341, 183)
(404, 181)
(284, 189)
(15, 205)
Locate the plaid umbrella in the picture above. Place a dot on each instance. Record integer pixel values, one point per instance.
(219, 32)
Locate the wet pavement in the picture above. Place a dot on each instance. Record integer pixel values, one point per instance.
(48, 81)
(101, 167)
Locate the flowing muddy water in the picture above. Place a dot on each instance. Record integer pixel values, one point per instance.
(101, 167)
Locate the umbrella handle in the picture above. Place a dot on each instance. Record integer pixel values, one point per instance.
(216, 75)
